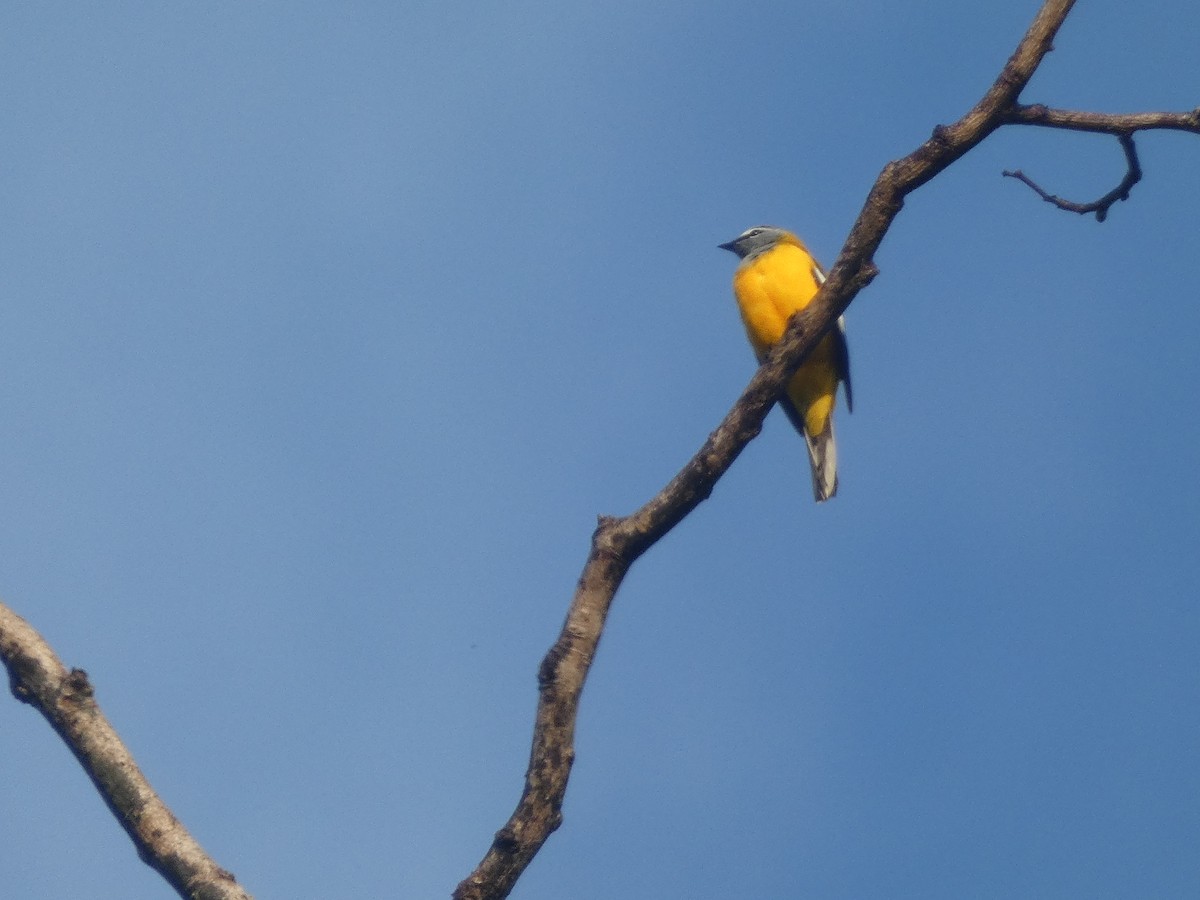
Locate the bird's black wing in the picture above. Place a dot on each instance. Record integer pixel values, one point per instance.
(841, 359)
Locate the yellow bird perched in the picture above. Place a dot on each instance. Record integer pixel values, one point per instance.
(778, 276)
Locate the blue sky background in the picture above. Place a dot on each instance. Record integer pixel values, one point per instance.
(328, 329)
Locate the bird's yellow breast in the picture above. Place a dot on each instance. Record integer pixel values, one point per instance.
(769, 288)
(772, 286)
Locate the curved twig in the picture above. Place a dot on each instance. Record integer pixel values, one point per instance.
(1133, 174)
(65, 698)
(1122, 126)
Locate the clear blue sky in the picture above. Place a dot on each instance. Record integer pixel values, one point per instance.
(328, 329)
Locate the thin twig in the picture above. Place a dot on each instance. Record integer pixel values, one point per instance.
(1133, 174)
(66, 699)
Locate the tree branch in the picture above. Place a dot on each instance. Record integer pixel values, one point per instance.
(1103, 123)
(38, 677)
(1122, 125)
(618, 542)
(1133, 174)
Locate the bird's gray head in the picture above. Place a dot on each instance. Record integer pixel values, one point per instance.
(755, 240)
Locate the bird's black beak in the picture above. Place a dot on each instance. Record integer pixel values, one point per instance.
(729, 245)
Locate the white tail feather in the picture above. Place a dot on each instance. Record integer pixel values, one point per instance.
(822, 455)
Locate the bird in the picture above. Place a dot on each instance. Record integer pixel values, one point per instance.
(776, 277)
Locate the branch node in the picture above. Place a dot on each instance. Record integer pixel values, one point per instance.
(76, 686)
(548, 670)
(505, 840)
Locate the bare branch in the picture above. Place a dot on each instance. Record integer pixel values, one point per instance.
(1103, 123)
(38, 677)
(1133, 174)
(1122, 125)
(618, 542)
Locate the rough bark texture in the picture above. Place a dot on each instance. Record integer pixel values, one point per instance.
(66, 699)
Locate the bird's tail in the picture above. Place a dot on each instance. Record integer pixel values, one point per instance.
(822, 454)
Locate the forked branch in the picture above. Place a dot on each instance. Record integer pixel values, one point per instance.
(618, 542)
(1122, 126)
